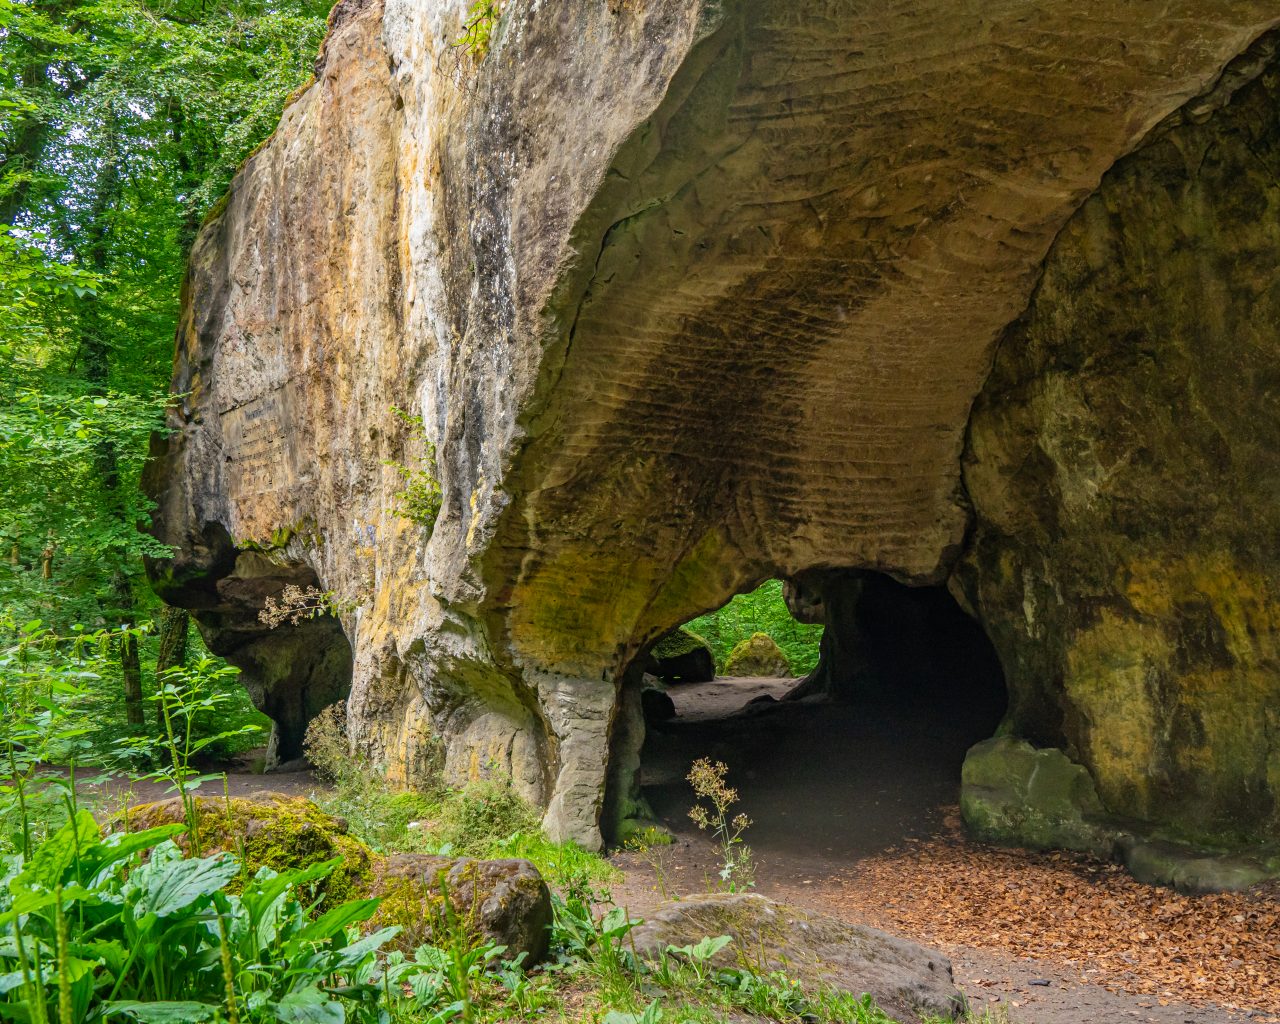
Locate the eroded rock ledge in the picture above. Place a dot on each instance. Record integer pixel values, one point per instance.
(690, 295)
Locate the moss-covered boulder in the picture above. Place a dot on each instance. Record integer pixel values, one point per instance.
(503, 901)
(506, 901)
(272, 830)
(683, 657)
(758, 655)
(1013, 793)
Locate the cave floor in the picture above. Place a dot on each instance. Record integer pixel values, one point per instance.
(855, 814)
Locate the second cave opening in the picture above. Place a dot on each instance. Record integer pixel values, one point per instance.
(861, 753)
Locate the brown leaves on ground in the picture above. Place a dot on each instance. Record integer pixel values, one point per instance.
(1079, 913)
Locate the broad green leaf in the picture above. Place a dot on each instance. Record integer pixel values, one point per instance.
(334, 922)
(353, 954)
(169, 886)
(164, 1012)
(309, 1006)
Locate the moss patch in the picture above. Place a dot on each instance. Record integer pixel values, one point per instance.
(678, 643)
(276, 831)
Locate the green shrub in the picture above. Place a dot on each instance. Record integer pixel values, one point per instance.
(420, 497)
(377, 814)
(126, 925)
(482, 814)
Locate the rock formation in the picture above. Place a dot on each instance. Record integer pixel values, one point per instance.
(690, 295)
(906, 979)
(757, 655)
(501, 901)
(683, 657)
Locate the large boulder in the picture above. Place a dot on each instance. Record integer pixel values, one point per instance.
(691, 295)
(501, 901)
(506, 901)
(683, 657)
(1122, 463)
(758, 655)
(270, 830)
(1010, 792)
(903, 976)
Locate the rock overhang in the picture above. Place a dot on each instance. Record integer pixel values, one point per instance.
(688, 295)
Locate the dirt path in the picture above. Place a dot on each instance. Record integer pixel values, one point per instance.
(854, 813)
(108, 798)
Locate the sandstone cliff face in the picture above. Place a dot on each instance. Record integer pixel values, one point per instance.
(1123, 463)
(687, 295)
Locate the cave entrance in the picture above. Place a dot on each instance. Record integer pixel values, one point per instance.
(855, 755)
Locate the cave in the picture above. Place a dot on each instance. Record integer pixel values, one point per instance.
(863, 751)
(709, 302)
(294, 666)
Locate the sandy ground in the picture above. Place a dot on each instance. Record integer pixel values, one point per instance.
(834, 791)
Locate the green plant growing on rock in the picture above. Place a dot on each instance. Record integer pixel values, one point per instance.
(737, 869)
(477, 29)
(419, 500)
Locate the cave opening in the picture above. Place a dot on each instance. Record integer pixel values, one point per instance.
(858, 753)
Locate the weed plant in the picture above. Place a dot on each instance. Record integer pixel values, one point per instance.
(737, 868)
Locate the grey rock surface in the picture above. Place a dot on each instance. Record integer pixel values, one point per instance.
(902, 976)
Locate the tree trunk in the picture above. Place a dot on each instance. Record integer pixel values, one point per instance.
(175, 624)
(131, 665)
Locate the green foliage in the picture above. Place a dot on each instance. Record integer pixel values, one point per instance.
(566, 866)
(120, 123)
(485, 818)
(473, 819)
(80, 668)
(477, 28)
(186, 697)
(93, 927)
(761, 611)
(419, 499)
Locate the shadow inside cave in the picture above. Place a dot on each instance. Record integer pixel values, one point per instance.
(838, 777)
